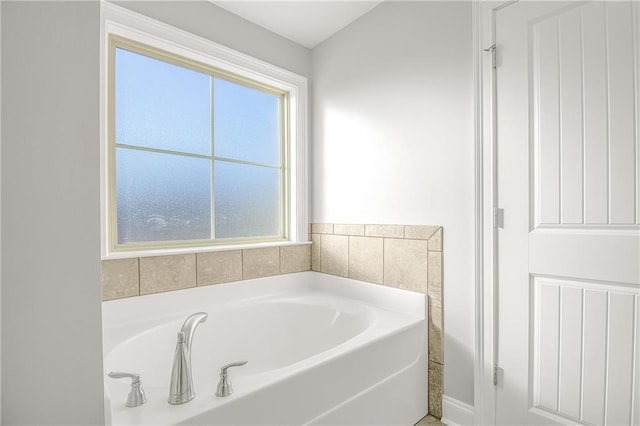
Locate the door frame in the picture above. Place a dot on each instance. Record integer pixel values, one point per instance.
(486, 200)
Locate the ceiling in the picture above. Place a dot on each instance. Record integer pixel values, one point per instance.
(306, 22)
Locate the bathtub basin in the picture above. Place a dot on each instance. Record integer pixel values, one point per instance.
(320, 349)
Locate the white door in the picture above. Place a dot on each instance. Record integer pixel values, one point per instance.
(569, 250)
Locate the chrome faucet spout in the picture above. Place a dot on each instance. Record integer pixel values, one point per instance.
(190, 325)
(181, 386)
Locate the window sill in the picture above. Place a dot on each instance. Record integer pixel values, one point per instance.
(202, 249)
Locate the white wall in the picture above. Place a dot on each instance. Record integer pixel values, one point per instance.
(393, 143)
(51, 320)
(50, 242)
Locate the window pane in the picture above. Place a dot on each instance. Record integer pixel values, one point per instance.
(246, 123)
(247, 200)
(160, 105)
(162, 197)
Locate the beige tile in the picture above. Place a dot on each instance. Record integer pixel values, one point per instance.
(260, 262)
(348, 229)
(166, 273)
(334, 255)
(120, 278)
(295, 258)
(435, 389)
(419, 232)
(315, 252)
(430, 420)
(389, 231)
(435, 242)
(219, 267)
(435, 278)
(365, 259)
(322, 228)
(405, 264)
(435, 335)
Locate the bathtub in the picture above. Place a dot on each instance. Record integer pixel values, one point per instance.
(321, 350)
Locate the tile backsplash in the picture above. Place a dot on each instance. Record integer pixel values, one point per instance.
(402, 256)
(147, 275)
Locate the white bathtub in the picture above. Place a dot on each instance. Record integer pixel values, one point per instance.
(322, 350)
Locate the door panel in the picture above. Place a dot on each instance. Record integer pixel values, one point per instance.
(583, 351)
(622, 159)
(594, 359)
(569, 253)
(570, 126)
(586, 50)
(594, 70)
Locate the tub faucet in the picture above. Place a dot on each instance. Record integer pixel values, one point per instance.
(181, 386)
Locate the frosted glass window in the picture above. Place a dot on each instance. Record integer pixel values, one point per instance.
(247, 200)
(161, 105)
(247, 123)
(162, 197)
(197, 155)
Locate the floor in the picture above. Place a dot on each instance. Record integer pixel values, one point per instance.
(430, 420)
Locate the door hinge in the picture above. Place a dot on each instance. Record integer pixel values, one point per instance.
(494, 54)
(498, 218)
(495, 374)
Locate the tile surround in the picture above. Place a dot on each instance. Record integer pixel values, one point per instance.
(365, 259)
(405, 264)
(219, 267)
(435, 241)
(322, 228)
(436, 353)
(260, 262)
(294, 259)
(348, 229)
(434, 280)
(430, 420)
(147, 275)
(120, 278)
(435, 388)
(316, 244)
(403, 256)
(391, 231)
(166, 273)
(334, 255)
(420, 232)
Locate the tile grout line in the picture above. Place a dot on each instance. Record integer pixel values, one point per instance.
(139, 277)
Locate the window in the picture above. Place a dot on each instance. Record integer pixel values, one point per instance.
(199, 150)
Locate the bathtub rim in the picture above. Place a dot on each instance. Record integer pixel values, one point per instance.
(399, 300)
(394, 301)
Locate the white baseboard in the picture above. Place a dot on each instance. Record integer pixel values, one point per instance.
(456, 413)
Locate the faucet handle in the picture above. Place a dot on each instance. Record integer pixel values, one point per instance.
(223, 370)
(136, 395)
(224, 385)
(118, 375)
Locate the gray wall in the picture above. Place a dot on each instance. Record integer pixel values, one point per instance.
(50, 298)
(0, 213)
(51, 317)
(214, 23)
(393, 143)
(50, 230)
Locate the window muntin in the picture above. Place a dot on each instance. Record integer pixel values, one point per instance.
(213, 143)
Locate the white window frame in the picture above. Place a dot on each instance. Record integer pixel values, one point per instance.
(121, 22)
